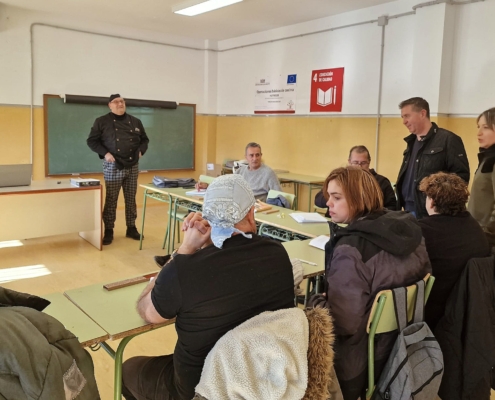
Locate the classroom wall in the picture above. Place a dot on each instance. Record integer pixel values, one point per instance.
(436, 53)
(92, 63)
(439, 52)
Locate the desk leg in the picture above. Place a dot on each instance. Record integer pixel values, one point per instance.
(306, 295)
(118, 357)
(142, 223)
(174, 223)
(296, 193)
(166, 240)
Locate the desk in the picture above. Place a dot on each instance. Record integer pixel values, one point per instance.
(289, 224)
(302, 250)
(313, 182)
(115, 312)
(177, 197)
(46, 208)
(84, 328)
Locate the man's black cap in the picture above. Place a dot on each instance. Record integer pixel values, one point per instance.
(113, 96)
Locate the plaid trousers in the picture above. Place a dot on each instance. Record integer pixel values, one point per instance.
(114, 180)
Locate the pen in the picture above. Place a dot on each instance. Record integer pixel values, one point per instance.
(307, 262)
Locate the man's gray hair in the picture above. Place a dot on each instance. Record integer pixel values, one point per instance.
(252, 144)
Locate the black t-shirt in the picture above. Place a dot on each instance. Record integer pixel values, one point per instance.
(214, 290)
(451, 241)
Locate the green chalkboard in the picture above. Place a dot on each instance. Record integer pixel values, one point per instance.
(67, 126)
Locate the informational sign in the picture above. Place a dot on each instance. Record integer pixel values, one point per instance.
(275, 95)
(326, 90)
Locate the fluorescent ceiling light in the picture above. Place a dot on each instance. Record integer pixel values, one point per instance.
(195, 7)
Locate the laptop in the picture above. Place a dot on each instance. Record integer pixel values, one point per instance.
(15, 175)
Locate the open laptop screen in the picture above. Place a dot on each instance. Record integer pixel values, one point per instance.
(15, 175)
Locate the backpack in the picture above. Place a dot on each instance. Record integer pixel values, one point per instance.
(162, 182)
(414, 369)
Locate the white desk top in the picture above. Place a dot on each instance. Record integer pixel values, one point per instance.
(46, 185)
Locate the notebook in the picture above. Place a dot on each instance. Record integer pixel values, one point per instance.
(15, 175)
(319, 242)
(303, 217)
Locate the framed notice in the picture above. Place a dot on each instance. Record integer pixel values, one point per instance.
(326, 90)
(275, 95)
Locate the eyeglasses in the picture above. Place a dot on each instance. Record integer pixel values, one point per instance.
(117, 101)
(362, 163)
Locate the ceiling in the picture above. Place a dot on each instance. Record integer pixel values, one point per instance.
(249, 16)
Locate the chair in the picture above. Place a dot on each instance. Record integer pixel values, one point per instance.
(206, 179)
(288, 196)
(319, 210)
(382, 320)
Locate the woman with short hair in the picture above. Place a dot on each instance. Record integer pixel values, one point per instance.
(482, 202)
(378, 249)
(452, 237)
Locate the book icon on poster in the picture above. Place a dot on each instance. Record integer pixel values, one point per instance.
(326, 97)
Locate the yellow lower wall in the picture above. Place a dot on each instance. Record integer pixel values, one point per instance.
(16, 137)
(305, 145)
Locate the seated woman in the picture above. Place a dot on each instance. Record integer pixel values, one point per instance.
(452, 237)
(378, 250)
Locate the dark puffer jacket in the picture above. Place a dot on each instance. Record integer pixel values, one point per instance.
(441, 151)
(383, 250)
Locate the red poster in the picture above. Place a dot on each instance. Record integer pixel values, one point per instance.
(326, 90)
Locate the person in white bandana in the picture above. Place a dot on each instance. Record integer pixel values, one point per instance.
(222, 275)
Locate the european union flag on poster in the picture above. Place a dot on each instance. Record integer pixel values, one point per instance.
(291, 79)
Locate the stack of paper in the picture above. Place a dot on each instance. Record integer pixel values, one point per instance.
(308, 217)
(320, 242)
(196, 192)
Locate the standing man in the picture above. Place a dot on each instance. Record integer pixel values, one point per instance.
(259, 176)
(360, 156)
(222, 275)
(120, 140)
(430, 149)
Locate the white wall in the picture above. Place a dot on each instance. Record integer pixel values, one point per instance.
(473, 77)
(421, 59)
(355, 48)
(223, 83)
(72, 62)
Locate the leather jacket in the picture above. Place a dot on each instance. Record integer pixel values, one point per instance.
(441, 151)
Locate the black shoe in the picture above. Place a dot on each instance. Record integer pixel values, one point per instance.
(161, 260)
(108, 236)
(133, 233)
(300, 299)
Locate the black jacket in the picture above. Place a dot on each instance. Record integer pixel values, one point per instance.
(124, 145)
(389, 199)
(466, 334)
(441, 151)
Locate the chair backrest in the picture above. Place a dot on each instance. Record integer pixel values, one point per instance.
(322, 211)
(288, 196)
(382, 315)
(206, 179)
(382, 319)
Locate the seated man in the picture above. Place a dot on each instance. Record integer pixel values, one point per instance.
(360, 156)
(259, 176)
(222, 275)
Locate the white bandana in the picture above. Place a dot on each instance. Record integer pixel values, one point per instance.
(227, 201)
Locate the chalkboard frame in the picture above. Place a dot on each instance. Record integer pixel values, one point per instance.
(47, 138)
